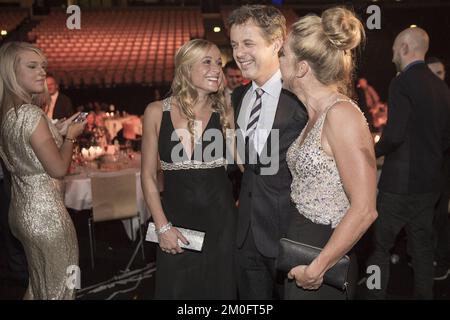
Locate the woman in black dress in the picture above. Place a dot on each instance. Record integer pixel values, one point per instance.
(197, 192)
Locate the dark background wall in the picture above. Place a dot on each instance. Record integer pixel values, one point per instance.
(376, 63)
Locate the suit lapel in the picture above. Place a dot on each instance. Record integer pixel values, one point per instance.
(239, 104)
(281, 116)
(281, 113)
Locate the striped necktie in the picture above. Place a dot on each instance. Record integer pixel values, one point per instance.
(254, 114)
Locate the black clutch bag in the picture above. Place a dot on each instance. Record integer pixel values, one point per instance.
(292, 254)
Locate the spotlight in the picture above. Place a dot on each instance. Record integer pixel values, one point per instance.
(216, 29)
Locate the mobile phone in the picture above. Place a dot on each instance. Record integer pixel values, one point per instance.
(81, 117)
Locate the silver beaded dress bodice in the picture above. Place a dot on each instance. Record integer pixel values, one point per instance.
(316, 190)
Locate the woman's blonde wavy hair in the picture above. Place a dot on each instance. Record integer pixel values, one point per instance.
(327, 43)
(184, 91)
(12, 95)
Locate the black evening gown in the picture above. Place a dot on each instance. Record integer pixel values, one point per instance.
(197, 196)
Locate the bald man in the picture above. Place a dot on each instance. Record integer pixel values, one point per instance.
(413, 143)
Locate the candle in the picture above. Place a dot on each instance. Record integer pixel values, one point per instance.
(91, 153)
(85, 153)
(98, 151)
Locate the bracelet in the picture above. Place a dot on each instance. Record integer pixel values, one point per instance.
(164, 228)
(71, 140)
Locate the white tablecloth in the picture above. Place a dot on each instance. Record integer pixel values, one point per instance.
(114, 125)
(78, 195)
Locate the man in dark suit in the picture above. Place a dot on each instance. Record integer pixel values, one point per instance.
(441, 218)
(15, 254)
(268, 119)
(60, 104)
(413, 142)
(233, 76)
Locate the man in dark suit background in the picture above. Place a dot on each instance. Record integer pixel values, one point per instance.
(413, 142)
(437, 67)
(60, 104)
(441, 218)
(233, 76)
(15, 254)
(257, 34)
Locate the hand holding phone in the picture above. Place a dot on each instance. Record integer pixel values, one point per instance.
(76, 126)
(81, 117)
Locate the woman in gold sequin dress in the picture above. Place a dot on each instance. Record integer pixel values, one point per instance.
(37, 157)
(332, 161)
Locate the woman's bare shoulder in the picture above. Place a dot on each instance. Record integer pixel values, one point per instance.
(154, 108)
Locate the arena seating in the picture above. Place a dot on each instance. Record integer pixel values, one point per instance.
(116, 47)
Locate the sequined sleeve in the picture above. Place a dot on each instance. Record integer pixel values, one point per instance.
(32, 115)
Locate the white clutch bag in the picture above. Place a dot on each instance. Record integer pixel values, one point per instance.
(194, 237)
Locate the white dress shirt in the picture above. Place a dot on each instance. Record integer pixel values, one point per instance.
(269, 101)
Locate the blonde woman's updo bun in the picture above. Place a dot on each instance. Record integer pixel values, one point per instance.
(342, 28)
(327, 44)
